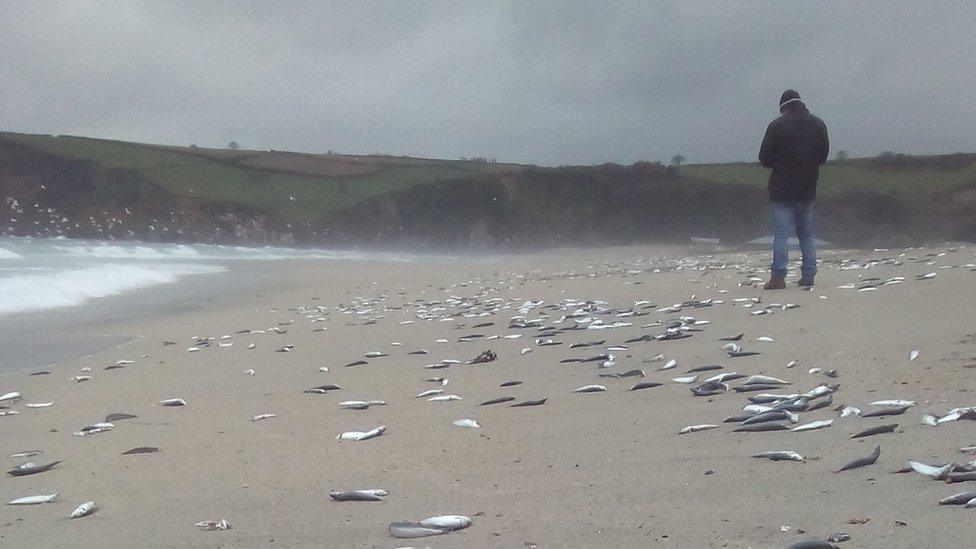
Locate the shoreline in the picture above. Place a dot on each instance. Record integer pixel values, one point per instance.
(583, 469)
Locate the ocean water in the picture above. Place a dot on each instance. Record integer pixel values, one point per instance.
(41, 274)
(56, 295)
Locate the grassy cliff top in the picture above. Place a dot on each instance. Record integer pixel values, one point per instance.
(301, 187)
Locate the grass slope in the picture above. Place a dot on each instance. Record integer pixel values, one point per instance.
(907, 178)
(230, 176)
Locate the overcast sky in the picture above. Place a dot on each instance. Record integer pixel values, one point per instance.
(535, 82)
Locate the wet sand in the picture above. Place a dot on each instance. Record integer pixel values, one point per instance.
(584, 470)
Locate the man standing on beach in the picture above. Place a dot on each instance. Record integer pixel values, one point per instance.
(794, 147)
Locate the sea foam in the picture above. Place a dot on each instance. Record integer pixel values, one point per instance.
(63, 288)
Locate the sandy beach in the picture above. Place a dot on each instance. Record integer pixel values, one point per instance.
(606, 469)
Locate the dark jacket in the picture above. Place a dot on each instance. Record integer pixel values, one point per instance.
(795, 146)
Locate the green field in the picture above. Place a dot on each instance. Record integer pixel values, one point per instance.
(296, 197)
(292, 187)
(837, 177)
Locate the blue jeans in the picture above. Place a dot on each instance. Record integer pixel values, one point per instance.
(786, 217)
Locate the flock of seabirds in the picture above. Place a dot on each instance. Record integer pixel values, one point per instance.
(592, 332)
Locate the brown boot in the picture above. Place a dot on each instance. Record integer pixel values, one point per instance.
(775, 283)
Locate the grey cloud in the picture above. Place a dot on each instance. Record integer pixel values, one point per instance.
(536, 82)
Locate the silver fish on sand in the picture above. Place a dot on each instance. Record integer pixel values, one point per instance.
(938, 473)
(83, 510)
(443, 398)
(359, 495)
(94, 428)
(696, 428)
(221, 524)
(433, 526)
(590, 389)
(813, 425)
(33, 500)
(780, 455)
(362, 435)
(26, 454)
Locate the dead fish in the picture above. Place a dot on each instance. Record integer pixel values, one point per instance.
(31, 469)
(877, 430)
(739, 354)
(707, 368)
(590, 389)
(772, 415)
(850, 411)
(958, 499)
(221, 524)
(726, 376)
(259, 417)
(685, 379)
(764, 380)
(696, 428)
(362, 435)
(822, 403)
(780, 455)
(322, 389)
(710, 388)
(526, 403)
(469, 423)
(26, 454)
(359, 495)
(170, 402)
(761, 427)
(913, 354)
(357, 363)
(355, 404)
(375, 354)
(894, 403)
(449, 522)
(430, 392)
(887, 411)
(938, 473)
(498, 400)
(141, 450)
(33, 500)
(511, 383)
(38, 404)
(813, 425)
(861, 462)
(645, 385)
(83, 510)
(443, 398)
(414, 530)
(633, 373)
(731, 338)
(118, 416)
(94, 428)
